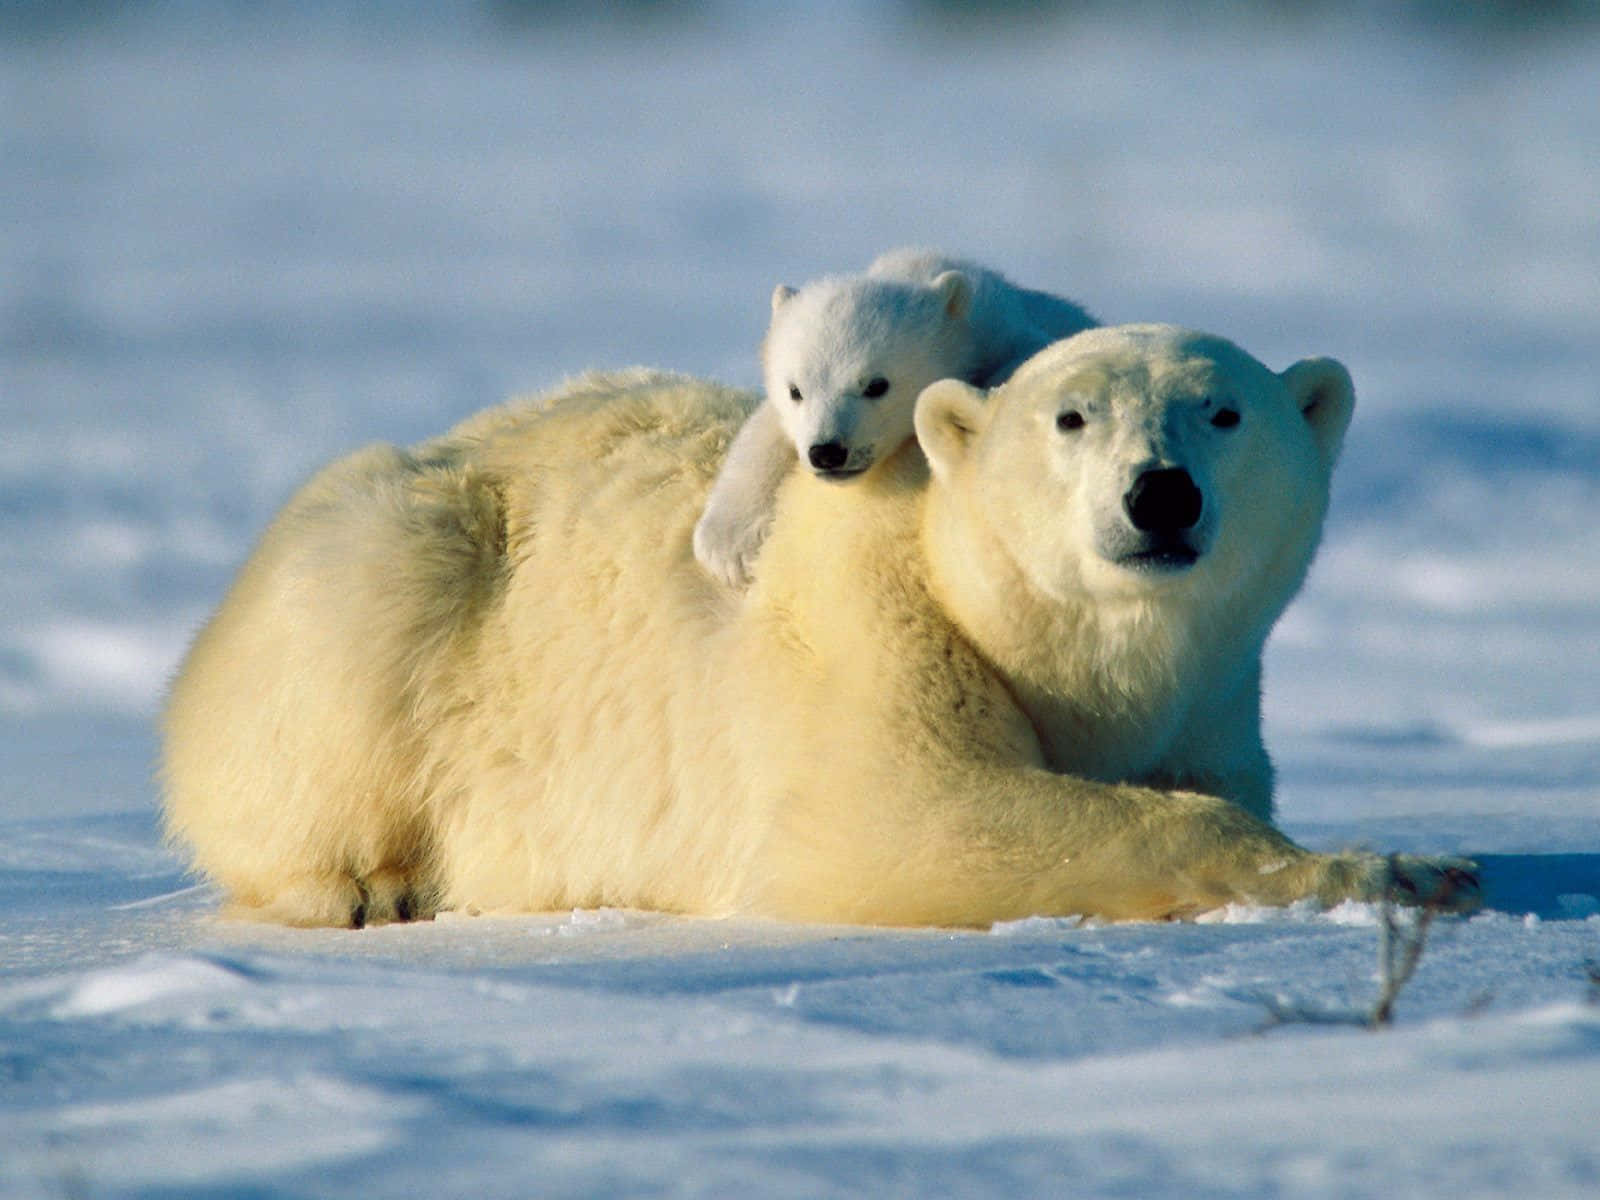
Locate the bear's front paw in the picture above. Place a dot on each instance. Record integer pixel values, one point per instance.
(1444, 884)
(728, 549)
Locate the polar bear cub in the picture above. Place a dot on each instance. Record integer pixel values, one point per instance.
(844, 360)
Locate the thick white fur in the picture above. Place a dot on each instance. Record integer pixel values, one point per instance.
(915, 316)
(486, 672)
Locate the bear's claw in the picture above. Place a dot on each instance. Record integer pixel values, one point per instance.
(1444, 884)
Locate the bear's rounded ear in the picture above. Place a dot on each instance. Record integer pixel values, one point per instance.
(949, 415)
(781, 295)
(1326, 397)
(955, 293)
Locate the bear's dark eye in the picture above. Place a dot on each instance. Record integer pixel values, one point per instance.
(1070, 420)
(1225, 418)
(877, 387)
(794, 393)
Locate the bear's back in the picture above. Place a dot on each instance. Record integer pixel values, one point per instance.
(606, 473)
(574, 703)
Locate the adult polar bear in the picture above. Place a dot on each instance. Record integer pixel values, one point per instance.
(487, 672)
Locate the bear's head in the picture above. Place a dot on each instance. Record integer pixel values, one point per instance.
(1144, 463)
(845, 358)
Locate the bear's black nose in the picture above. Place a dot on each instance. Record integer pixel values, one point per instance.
(1164, 501)
(828, 456)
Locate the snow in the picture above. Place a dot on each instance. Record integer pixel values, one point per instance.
(239, 240)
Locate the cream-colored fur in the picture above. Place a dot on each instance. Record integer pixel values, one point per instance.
(487, 672)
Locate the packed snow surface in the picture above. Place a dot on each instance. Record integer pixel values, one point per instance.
(239, 240)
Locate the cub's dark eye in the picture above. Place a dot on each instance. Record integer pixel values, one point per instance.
(1070, 420)
(794, 393)
(1225, 418)
(877, 387)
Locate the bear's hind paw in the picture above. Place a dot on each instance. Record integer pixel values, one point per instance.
(338, 900)
(307, 901)
(391, 895)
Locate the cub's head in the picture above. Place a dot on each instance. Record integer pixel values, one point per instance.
(1143, 461)
(844, 360)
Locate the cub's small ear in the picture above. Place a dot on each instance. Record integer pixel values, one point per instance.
(781, 295)
(1323, 391)
(955, 293)
(949, 415)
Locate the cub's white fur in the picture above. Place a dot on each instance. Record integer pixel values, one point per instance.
(844, 360)
(487, 672)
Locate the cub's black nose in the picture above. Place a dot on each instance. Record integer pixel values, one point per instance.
(1164, 501)
(828, 456)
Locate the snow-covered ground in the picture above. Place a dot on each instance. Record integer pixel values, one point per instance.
(236, 241)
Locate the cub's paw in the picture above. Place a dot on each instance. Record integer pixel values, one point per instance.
(728, 548)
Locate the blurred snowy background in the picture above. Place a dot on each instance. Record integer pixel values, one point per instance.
(237, 239)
